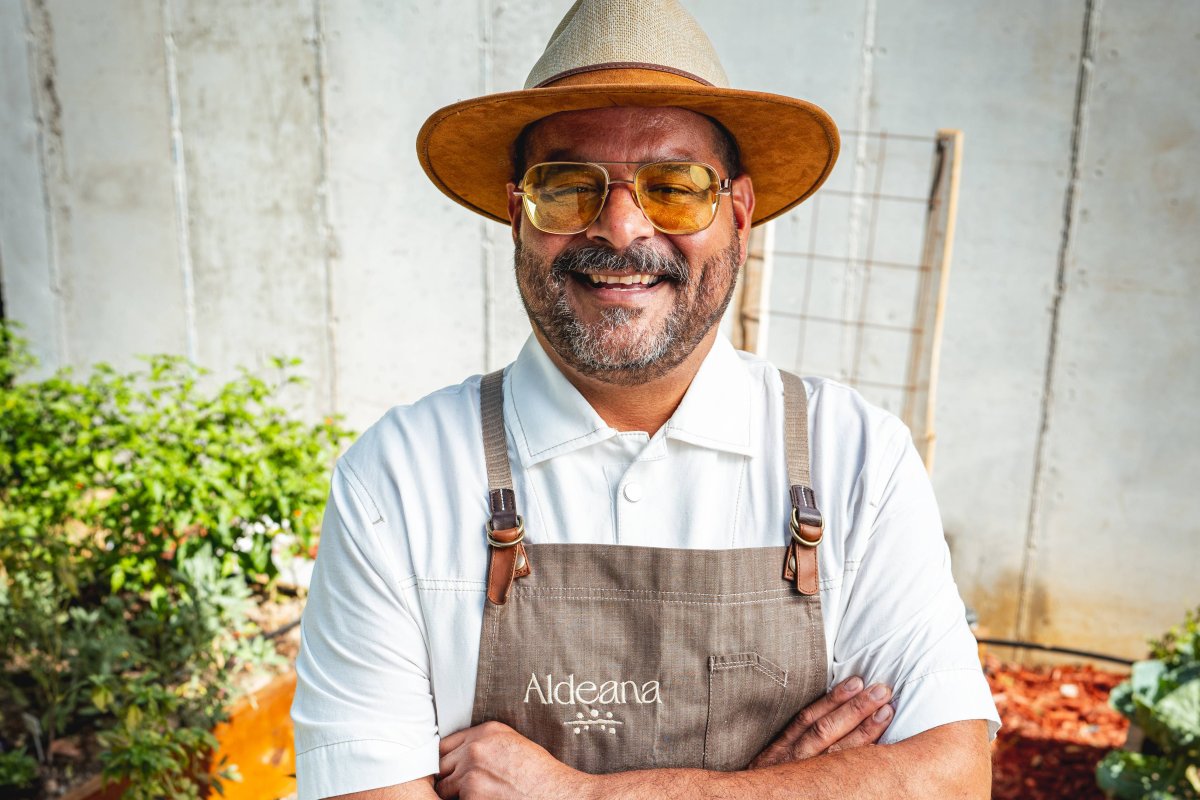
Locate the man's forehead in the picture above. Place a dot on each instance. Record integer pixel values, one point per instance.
(639, 133)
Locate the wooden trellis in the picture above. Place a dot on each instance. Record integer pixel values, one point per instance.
(881, 332)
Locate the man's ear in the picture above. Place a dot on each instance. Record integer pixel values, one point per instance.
(741, 196)
(514, 210)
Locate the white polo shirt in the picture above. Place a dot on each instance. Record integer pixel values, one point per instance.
(390, 637)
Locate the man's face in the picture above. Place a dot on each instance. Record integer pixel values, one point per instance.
(616, 332)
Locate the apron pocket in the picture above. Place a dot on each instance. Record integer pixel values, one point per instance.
(745, 692)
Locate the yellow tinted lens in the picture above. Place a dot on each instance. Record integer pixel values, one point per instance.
(678, 196)
(563, 197)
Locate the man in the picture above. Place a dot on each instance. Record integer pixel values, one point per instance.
(667, 598)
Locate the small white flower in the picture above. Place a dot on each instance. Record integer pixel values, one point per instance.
(243, 544)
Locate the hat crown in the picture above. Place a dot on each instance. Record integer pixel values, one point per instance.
(648, 34)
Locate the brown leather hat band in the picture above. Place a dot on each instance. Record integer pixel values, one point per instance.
(624, 72)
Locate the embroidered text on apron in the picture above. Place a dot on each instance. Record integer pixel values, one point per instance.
(616, 657)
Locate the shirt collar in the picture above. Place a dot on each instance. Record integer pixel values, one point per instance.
(715, 411)
(550, 417)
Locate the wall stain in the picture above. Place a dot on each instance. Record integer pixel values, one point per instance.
(996, 601)
(48, 113)
(41, 31)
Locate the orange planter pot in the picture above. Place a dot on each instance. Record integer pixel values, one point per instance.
(257, 737)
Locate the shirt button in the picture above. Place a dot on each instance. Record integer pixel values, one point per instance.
(633, 492)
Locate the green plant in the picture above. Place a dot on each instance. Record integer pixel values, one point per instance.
(139, 516)
(160, 760)
(1162, 697)
(18, 769)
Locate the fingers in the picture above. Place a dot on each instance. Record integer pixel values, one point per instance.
(452, 741)
(819, 708)
(447, 787)
(785, 746)
(456, 739)
(459, 755)
(867, 732)
(836, 697)
(830, 729)
(447, 762)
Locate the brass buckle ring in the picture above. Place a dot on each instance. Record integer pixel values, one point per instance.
(497, 543)
(796, 530)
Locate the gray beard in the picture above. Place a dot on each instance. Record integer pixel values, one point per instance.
(594, 356)
(597, 349)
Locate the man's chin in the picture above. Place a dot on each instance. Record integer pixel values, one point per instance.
(620, 363)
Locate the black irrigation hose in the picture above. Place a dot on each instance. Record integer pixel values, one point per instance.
(275, 634)
(1049, 648)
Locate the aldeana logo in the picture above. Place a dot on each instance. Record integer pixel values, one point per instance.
(567, 692)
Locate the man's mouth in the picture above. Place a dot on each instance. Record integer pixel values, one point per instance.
(617, 281)
(609, 276)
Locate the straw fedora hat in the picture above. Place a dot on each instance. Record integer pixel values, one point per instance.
(629, 53)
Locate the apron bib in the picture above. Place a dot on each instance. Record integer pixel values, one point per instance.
(616, 657)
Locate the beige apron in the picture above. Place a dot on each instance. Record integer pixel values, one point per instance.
(615, 657)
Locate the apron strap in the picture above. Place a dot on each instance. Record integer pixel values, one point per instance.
(806, 524)
(506, 528)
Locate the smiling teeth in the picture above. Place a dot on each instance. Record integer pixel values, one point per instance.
(627, 280)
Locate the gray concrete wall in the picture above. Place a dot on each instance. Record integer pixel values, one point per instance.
(233, 181)
(1112, 539)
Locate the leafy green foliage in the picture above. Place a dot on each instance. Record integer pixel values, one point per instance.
(18, 769)
(138, 516)
(1162, 697)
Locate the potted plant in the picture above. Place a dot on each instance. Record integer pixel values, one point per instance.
(139, 516)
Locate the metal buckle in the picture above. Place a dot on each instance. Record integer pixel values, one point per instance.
(796, 530)
(520, 534)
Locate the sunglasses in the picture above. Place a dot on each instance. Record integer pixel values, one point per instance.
(676, 196)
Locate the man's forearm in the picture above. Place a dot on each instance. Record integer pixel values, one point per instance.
(491, 761)
(951, 761)
(420, 789)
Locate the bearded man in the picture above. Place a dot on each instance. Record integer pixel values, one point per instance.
(635, 563)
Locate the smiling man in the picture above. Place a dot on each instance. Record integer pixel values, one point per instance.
(635, 563)
(589, 311)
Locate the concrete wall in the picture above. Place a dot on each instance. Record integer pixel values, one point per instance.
(233, 181)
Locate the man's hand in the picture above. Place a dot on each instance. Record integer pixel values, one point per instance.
(494, 761)
(846, 717)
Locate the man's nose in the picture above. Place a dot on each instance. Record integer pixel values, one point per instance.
(621, 221)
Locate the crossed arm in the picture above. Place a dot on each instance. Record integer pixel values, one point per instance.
(825, 752)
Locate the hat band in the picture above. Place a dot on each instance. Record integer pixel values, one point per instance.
(623, 72)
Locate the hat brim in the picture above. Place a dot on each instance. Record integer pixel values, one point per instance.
(787, 146)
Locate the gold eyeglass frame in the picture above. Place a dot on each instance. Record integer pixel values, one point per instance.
(724, 187)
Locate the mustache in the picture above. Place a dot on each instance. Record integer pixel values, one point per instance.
(644, 260)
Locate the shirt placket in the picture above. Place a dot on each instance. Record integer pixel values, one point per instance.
(635, 499)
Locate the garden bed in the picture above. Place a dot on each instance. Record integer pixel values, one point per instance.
(257, 737)
(148, 521)
(1057, 725)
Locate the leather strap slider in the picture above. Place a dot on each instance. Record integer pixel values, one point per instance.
(509, 559)
(507, 537)
(807, 534)
(808, 529)
(804, 505)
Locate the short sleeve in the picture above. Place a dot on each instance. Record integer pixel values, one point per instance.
(363, 712)
(904, 623)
